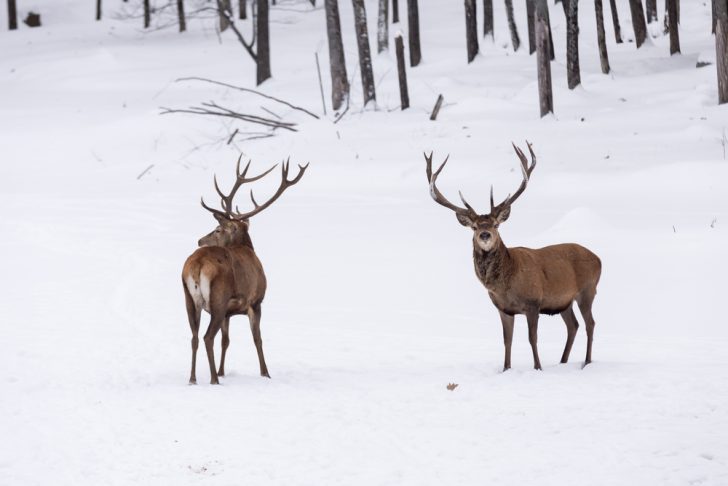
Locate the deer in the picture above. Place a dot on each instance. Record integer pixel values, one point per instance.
(526, 281)
(224, 275)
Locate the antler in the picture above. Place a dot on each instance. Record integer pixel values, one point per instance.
(437, 195)
(285, 184)
(525, 169)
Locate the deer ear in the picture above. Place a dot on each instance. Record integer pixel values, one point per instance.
(503, 214)
(220, 219)
(464, 219)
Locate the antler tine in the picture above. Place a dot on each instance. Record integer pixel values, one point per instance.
(526, 170)
(435, 192)
(213, 211)
(285, 184)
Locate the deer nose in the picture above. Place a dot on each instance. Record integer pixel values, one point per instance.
(485, 236)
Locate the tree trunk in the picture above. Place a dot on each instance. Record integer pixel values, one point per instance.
(395, 11)
(715, 17)
(401, 70)
(721, 49)
(383, 26)
(471, 29)
(673, 26)
(181, 15)
(551, 38)
(531, 35)
(147, 14)
(242, 9)
(339, 81)
(365, 58)
(488, 19)
(651, 11)
(603, 57)
(572, 45)
(542, 34)
(98, 9)
(224, 22)
(263, 41)
(12, 15)
(615, 22)
(512, 25)
(413, 25)
(638, 22)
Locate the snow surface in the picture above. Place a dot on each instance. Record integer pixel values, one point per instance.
(372, 306)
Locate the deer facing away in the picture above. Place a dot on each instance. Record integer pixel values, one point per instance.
(224, 276)
(524, 280)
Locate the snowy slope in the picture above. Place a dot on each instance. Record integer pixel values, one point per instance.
(372, 306)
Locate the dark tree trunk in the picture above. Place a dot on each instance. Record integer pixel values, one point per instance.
(263, 41)
(402, 71)
(12, 15)
(181, 15)
(542, 34)
(339, 81)
(413, 25)
(515, 40)
(365, 57)
(224, 15)
(638, 22)
(651, 11)
(383, 26)
(488, 19)
(551, 38)
(715, 18)
(395, 11)
(243, 9)
(615, 22)
(572, 45)
(601, 40)
(471, 29)
(98, 9)
(673, 17)
(147, 14)
(531, 35)
(721, 49)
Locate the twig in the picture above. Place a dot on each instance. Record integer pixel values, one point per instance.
(321, 84)
(230, 140)
(268, 111)
(231, 114)
(436, 110)
(145, 171)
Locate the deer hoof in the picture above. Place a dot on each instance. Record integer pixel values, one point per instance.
(221, 373)
(193, 381)
(265, 375)
(506, 368)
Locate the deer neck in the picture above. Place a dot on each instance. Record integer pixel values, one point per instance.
(493, 267)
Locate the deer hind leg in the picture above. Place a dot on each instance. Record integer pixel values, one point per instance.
(216, 320)
(254, 314)
(507, 322)
(585, 307)
(532, 317)
(193, 315)
(571, 327)
(225, 344)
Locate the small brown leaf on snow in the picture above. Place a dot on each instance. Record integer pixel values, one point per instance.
(452, 386)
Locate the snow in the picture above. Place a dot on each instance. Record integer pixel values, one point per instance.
(372, 305)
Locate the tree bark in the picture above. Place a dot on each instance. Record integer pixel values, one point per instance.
(615, 22)
(147, 14)
(224, 16)
(413, 26)
(543, 63)
(638, 22)
(572, 45)
(339, 81)
(551, 38)
(471, 29)
(721, 49)
(98, 10)
(242, 9)
(365, 58)
(181, 15)
(395, 11)
(402, 71)
(715, 17)
(12, 15)
(488, 19)
(601, 40)
(531, 34)
(651, 11)
(672, 16)
(263, 41)
(383, 26)
(515, 40)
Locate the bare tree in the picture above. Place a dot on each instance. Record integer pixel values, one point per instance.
(225, 13)
(543, 39)
(572, 44)
(395, 11)
(529, 17)
(471, 29)
(181, 15)
(12, 15)
(413, 26)
(339, 81)
(261, 56)
(515, 40)
(603, 57)
(98, 10)
(651, 10)
(402, 72)
(638, 22)
(488, 18)
(721, 48)
(673, 19)
(615, 22)
(383, 26)
(243, 9)
(147, 14)
(365, 57)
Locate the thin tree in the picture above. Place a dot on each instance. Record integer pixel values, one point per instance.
(12, 15)
(515, 40)
(672, 16)
(714, 16)
(638, 22)
(530, 20)
(572, 44)
(243, 9)
(181, 15)
(721, 48)
(263, 40)
(339, 81)
(383, 26)
(651, 10)
(395, 11)
(471, 29)
(225, 14)
(615, 22)
(365, 57)
(543, 39)
(98, 10)
(488, 19)
(413, 26)
(147, 14)
(551, 38)
(402, 72)
(603, 57)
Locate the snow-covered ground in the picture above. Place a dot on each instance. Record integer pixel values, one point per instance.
(372, 306)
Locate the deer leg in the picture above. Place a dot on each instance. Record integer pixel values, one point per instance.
(533, 337)
(585, 305)
(254, 314)
(225, 344)
(193, 315)
(507, 322)
(215, 323)
(571, 326)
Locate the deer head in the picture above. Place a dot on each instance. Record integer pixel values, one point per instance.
(233, 225)
(484, 226)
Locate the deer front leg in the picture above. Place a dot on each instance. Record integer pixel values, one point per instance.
(254, 314)
(225, 344)
(215, 323)
(507, 322)
(532, 317)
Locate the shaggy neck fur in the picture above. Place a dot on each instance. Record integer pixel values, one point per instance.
(492, 267)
